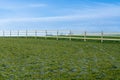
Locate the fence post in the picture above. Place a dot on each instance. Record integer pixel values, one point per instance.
(57, 34)
(10, 33)
(102, 37)
(85, 33)
(70, 35)
(3, 34)
(45, 34)
(18, 34)
(26, 33)
(35, 34)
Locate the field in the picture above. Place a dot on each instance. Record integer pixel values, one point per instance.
(40, 59)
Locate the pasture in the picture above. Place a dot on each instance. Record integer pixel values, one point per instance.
(40, 59)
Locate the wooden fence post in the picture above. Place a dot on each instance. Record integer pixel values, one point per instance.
(18, 34)
(26, 33)
(85, 33)
(10, 33)
(3, 34)
(35, 34)
(57, 34)
(102, 37)
(45, 34)
(70, 35)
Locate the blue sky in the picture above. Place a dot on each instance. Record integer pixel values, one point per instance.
(83, 15)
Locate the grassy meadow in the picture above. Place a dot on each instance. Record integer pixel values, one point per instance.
(40, 59)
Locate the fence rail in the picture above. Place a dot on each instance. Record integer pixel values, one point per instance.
(58, 34)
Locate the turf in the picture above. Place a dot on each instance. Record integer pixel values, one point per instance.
(39, 59)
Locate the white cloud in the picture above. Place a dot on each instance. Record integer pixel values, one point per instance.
(37, 5)
(93, 14)
(15, 6)
(98, 14)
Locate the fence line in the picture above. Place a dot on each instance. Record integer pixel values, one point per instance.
(68, 34)
(85, 36)
(102, 37)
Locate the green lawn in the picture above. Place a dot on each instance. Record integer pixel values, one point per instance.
(40, 59)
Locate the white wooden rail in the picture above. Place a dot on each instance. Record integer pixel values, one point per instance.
(58, 34)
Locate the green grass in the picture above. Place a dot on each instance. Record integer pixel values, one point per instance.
(40, 59)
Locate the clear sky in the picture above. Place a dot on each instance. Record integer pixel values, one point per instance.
(83, 15)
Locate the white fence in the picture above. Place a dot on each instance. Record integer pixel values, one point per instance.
(58, 34)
